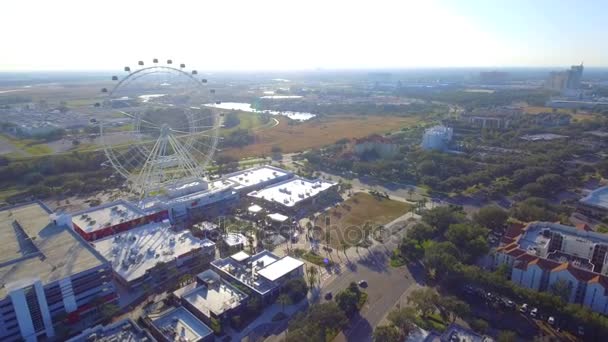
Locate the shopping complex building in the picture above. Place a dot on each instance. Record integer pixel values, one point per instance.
(49, 275)
(263, 273)
(256, 178)
(157, 247)
(542, 254)
(211, 297)
(123, 330)
(178, 324)
(112, 218)
(293, 195)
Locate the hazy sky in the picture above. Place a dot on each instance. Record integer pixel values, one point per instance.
(306, 34)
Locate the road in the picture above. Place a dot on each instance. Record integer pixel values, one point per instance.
(386, 284)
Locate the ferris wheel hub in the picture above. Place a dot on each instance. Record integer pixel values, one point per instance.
(165, 129)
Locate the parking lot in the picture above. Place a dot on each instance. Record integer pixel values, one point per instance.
(504, 313)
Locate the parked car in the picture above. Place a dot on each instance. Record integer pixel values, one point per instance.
(534, 312)
(523, 308)
(551, 320)
(509, 304)
(363, 283)
(581, 330)
(328, 296)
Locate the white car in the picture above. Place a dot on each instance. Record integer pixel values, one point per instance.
(551, 320)
(523, 308)
(534, 312)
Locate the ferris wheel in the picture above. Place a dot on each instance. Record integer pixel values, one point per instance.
(155, 127)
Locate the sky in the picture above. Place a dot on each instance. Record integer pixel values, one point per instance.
(302, 35)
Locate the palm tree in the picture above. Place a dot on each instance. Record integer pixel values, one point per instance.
(283, 300)
(312, 275)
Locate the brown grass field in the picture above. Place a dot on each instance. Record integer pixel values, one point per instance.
(348, 219)
(580, 115)
(317, 133)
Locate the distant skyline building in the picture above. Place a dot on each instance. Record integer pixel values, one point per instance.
(566, 81)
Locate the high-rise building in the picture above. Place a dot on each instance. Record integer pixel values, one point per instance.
(575, 74)
(566, 80)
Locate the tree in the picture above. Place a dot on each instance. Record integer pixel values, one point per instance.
(312, 275)
(387, 333)
(469, 239)
(562, 289)
(403, 319)
(491, 217)
(454, 307)
(424, 300)
(479, 325)
(410, 249)
(296, 289)
(283, 299)
(231, 120)
(441, 256)
(507, 336)
(442, 217)
(316, 323)
(348, 301)
(422, 231)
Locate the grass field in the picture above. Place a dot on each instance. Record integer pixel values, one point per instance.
(360, 212)
(317, 133)
(29, 146)
(247, 121)
(580, 115)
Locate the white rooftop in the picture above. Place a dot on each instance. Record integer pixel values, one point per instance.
(107, 215)
(254, 209)
(185, 325)
(134, 252)
(234, 239)
(247, 274)
(240, 256)
(277, 217)
(280, 268)
(597, 198)
(216, 295)
(292, 191)
(255, 176)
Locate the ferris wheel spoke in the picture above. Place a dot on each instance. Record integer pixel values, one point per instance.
(195, 127)
(152, 125)
(123, 132)
(187, 159)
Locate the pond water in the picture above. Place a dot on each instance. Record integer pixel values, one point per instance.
(246, 107)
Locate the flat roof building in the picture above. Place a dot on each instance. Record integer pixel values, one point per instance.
(46, 271)
(257, 177)
(178, 324)
(125, 330)
(211, 297)
(112, 218)
(293, 191)
(134, 254)
(262, 273)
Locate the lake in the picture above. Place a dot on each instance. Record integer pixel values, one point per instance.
(246, 107)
